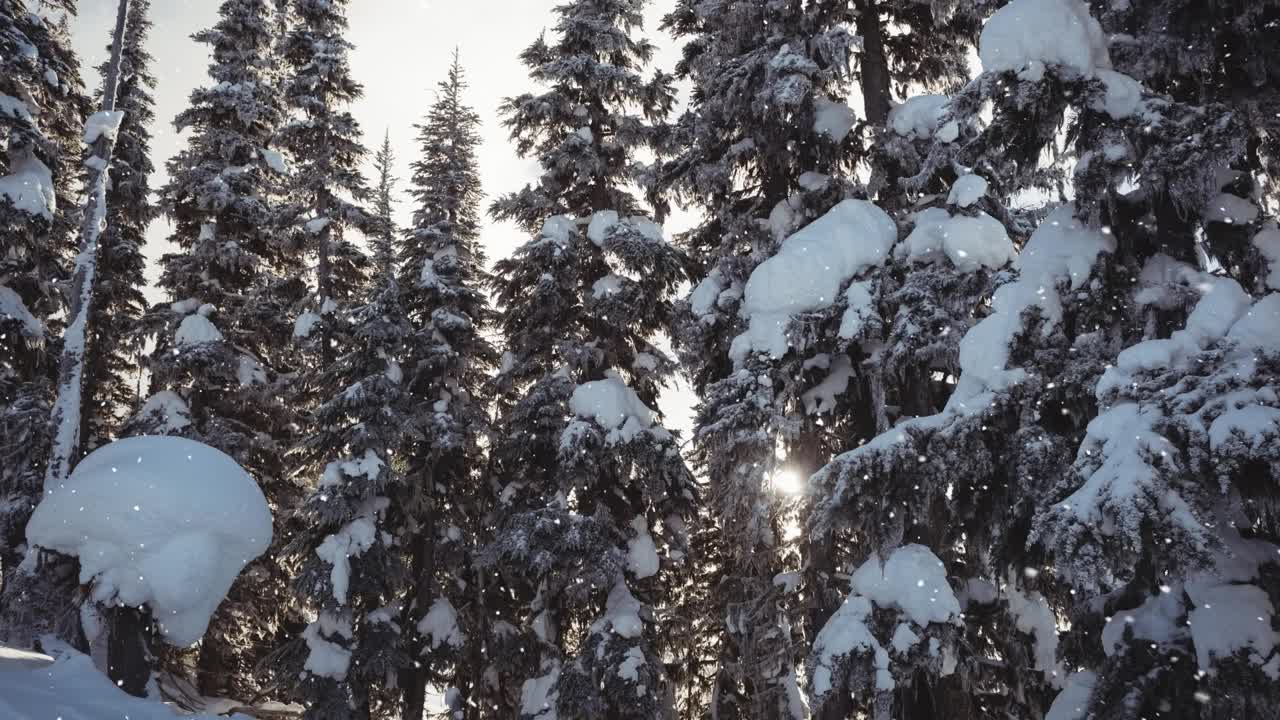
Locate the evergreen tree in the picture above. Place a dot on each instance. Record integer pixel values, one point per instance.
(324, 142)
(112, 367)
(351, 569)
(448, 362)
(212, 372)
(766, 145)
(594, 496)
(384, 239)
(1074, 484)
(42, 112)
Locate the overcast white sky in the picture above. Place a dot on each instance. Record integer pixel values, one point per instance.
(403, 48)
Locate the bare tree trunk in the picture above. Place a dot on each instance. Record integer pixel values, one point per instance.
(68, 409)
(413, 679)
(128, 664)
(875, 64)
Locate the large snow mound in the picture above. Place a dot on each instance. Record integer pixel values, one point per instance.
(808, 271)
(69, 687)
(162, 521)
(1053, 32)
(612, 404)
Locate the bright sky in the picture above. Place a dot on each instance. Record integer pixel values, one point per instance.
(403, 48)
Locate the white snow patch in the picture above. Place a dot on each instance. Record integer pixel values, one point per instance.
(970, 243)
(1268, 244)
(325, 659)
(538, 696)
(67, 686)
(601, 223)
(1228, 618)
(919, 116)
(913, 580)
(968, 190)
(833, 119)
(11, 306)
(1073, 702)
(196, 329)
(613, 405)
(642, 554)
(305, 324)
(104, 123)
(621, 613)
(315, 226)
(29, 185)
(558, 229)
(440, 625)
(1061, 250)
(1053, 32)
(157, 520)
(860, 308)
(275, 161)
(169, 409)
(1034, 616)
(844, 634)
(821, 398)
(852, 237)
(350, 541)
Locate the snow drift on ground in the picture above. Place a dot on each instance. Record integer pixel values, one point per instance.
(67, 686)
(164, 521)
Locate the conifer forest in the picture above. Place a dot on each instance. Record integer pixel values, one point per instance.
(640, 359)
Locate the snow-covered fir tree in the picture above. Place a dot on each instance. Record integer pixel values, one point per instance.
(231, 284)
(1074, 488)
(112, 366)
(595, 498)
(766, 146)
(383, 205)
(325, 146)
(42, 112)
(447, 362)
(352, 572)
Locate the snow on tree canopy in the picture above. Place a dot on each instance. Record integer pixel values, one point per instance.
(833, 119)
(971, 243)
(1061, 250)
(808, 271)
(29, 185)
(913, 580)
(1053, 32)
(162, 521)
(11, 306)
(918, 117)
(613, 405)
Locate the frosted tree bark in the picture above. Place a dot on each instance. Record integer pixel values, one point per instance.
(67, 410)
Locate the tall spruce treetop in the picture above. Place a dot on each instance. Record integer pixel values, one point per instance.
(325, 144)
(213, 376)
(448, 362)
(597, 109)
(594, 495)
(42, 111)
(118, 308)
(384, 238)
(1082, 496)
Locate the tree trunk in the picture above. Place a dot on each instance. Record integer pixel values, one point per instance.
(414, 679)
(128, 664)
(875, 64)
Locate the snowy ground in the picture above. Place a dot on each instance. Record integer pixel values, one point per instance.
(66, 686)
